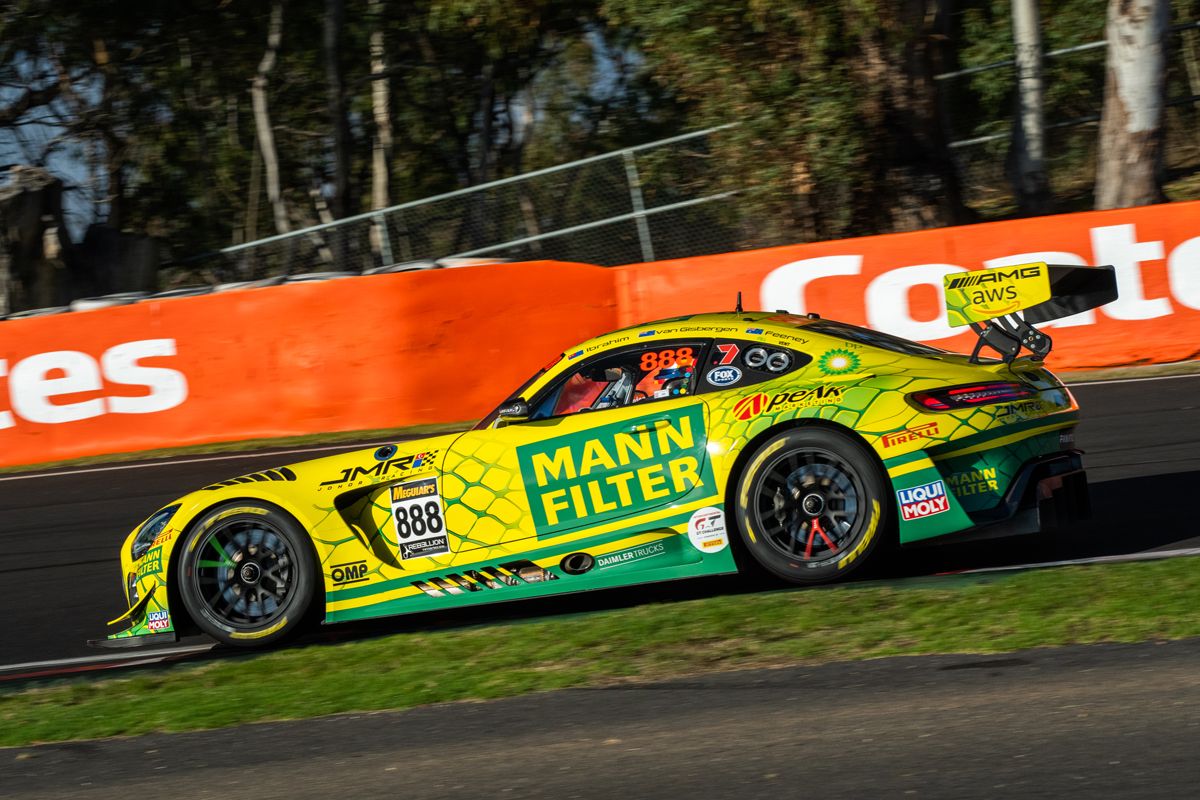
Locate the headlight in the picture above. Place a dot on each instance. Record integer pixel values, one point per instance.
(150, 530)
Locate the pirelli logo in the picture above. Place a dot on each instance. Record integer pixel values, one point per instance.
(992, 276)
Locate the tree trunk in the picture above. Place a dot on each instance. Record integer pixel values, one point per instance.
(1129, 165)
(1028, 150)
(262, 118)
(913, 181)
(381, 147)
(335, 15)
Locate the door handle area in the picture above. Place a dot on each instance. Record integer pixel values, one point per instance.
(646, 427)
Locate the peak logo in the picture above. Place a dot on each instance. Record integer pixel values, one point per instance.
(750, 406)
(755, 404)
(36, 381)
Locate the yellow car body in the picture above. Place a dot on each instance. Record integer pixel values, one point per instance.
(651, 484)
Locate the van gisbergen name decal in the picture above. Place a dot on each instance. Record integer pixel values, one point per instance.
(615, 470)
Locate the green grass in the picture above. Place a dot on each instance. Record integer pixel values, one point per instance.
(976, 614)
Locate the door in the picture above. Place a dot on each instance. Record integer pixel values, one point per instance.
(619, 438)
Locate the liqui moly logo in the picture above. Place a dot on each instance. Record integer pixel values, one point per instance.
(923, 501)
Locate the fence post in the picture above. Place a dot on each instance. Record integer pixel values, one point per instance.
(639, 207)
(385, 242)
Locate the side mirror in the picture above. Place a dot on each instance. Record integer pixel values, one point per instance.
(516, 410)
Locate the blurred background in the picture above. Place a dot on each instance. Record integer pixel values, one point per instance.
(149, 146)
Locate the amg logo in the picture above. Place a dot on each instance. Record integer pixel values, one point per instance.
(992, 276)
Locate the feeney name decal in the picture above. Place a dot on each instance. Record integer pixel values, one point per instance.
(615, 470)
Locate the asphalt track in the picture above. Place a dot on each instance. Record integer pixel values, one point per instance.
(60, 530)
(1097, 722)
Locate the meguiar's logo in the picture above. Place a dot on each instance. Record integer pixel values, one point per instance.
(615, 470)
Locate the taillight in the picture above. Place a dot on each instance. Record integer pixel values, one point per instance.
(980, 394)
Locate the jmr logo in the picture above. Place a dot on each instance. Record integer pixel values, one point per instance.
(993, 276)
(35, 382)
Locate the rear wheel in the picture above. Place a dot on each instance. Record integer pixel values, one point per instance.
(246, 574)
(812, 505)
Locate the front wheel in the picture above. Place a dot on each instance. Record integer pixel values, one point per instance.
(812, 505)
(246, 574)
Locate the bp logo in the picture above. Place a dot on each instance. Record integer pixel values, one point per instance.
(750, 406)
(838, 362)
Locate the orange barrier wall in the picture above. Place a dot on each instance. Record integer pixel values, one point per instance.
(353, 353)
(447, 345)
(892, 282)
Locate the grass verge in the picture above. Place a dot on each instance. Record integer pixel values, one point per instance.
(978, 614)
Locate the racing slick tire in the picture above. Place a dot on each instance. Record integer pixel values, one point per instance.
(246, 574)
(812, 505)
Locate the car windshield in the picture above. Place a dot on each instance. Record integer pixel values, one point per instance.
(854, 333)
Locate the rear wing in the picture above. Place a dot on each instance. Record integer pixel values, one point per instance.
(1002, 305)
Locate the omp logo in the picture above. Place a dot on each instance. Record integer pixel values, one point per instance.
(354, 572)
(36, 382)
(992, 276)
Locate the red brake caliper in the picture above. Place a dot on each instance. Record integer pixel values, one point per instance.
(815, 528)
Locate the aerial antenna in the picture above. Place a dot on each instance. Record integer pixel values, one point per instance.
(738, 310)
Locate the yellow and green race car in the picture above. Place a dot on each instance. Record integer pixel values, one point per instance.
(675, 449)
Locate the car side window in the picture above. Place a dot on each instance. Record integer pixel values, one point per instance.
(738, 362)
(629, 376)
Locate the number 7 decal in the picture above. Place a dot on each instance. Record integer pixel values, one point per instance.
(728, 353)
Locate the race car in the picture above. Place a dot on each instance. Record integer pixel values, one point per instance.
(685, 447)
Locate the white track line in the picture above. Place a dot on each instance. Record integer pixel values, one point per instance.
(1135, 380)
(1150, 555)
(133, 655)
(166, 462)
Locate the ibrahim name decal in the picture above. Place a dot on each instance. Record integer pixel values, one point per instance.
(615, 470)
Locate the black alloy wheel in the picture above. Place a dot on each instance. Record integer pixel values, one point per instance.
(246, 574)
(812, 505)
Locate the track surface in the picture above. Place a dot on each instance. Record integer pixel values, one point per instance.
(59, 532)
(1097, 722)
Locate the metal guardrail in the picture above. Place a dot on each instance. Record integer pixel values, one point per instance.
(606, 209)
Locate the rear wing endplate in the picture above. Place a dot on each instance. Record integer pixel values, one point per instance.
(1002, 305)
